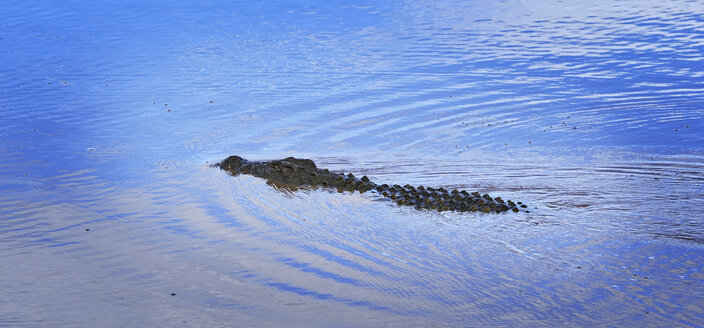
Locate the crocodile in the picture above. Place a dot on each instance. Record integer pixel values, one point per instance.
(293, 173)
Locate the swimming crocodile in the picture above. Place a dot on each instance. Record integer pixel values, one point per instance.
(293, 173)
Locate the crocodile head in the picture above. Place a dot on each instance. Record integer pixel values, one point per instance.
(232, 164)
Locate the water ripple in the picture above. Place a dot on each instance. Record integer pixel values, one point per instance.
(590, 113)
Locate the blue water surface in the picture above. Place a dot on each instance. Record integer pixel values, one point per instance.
(111, 114)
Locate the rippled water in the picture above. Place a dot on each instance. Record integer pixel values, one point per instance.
(591, 112)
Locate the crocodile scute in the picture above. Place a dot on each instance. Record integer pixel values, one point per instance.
(293, 173)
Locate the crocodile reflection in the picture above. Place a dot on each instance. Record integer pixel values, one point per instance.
(293, 173)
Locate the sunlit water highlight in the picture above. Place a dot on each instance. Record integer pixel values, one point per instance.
(591, 113)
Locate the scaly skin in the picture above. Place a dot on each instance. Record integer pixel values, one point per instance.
(293, 173)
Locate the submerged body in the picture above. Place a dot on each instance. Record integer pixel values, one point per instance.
(294, 173)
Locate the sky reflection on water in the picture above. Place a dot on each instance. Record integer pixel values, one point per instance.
(111, 114)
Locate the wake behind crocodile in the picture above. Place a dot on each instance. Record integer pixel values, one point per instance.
(294, 173)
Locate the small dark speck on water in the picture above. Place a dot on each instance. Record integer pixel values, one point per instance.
(87, 229)
(173, 294)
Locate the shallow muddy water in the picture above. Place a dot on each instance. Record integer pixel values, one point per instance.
(111, 115)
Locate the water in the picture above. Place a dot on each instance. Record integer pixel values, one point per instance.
(590, 112)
